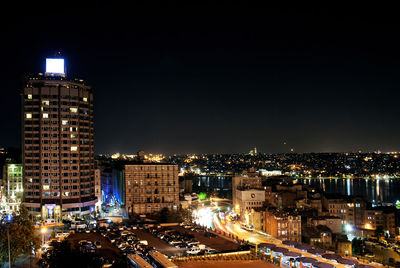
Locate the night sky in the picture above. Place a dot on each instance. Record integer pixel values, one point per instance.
(217, 79)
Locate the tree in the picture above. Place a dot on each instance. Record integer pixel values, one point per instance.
(53, 234)
(379, 231)
(166, 215)
(22, 236)
(62, 255)
(357, 246)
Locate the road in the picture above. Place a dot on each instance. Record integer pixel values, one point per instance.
(381, 254)
(257, 238)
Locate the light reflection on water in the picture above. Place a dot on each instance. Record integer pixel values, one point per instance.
(379, 191)
(376, 191)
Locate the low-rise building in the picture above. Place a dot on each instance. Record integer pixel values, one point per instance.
(309, 203)
(383, 218)
(349, 208)
(247, 193)
(256, 218)
(317, 236)
(283, 224)
(12, 186)
(248, 199)
(332, 222)
(343, 245)
(373, 218)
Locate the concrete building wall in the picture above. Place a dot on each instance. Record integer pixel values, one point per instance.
(151, 187)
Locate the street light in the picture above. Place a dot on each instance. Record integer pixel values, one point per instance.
(43, 231)
(348, 228)
(9, 218)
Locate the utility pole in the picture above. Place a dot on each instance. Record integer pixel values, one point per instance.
(9, 251)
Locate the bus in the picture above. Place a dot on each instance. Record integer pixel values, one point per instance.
(161, 260)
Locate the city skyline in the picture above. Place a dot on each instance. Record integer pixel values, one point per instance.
(173, 82)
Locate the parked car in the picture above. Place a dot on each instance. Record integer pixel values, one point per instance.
(50, 221)
(194, 250)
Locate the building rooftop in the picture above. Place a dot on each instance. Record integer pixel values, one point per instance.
(40, 77)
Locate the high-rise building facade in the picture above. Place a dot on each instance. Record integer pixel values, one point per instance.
(149, 187)
(58, 144)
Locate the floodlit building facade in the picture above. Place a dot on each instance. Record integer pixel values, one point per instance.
(58, 144)
(97, 189)
(247, 194)
(150, 187)
(12, 186)
(283, 225)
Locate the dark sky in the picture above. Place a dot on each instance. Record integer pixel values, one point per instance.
(206, 79)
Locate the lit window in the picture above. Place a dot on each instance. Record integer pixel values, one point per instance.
(46, 102)
(29, 96)
(73, 110)
(73, 136)
(45, 115)
(74, 148)
(46, 187)
(64, 122)
(85, 99)
(28, 115)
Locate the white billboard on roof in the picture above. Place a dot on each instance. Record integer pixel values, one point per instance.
(55, 66)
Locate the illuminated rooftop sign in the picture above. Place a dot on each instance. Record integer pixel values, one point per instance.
(55, 66)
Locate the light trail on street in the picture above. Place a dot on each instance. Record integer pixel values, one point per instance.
(256, 238)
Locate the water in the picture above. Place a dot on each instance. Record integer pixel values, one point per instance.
(221, 184)
(375, 191)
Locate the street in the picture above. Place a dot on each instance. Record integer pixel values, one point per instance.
(254, 238)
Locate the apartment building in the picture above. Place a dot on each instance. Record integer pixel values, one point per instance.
(283, 224)
(149, 187)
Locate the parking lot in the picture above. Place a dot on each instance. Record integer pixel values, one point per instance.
(159, 244)
(107, 250)
(215, 242)
(113, 243)
(185, 240)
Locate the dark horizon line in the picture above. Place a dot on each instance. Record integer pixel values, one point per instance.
(331, 152)
(226, 153)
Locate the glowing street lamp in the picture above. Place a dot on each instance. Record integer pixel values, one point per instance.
(43, 231)
(348, 228)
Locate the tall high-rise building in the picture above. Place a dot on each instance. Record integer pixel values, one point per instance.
(58, 144)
